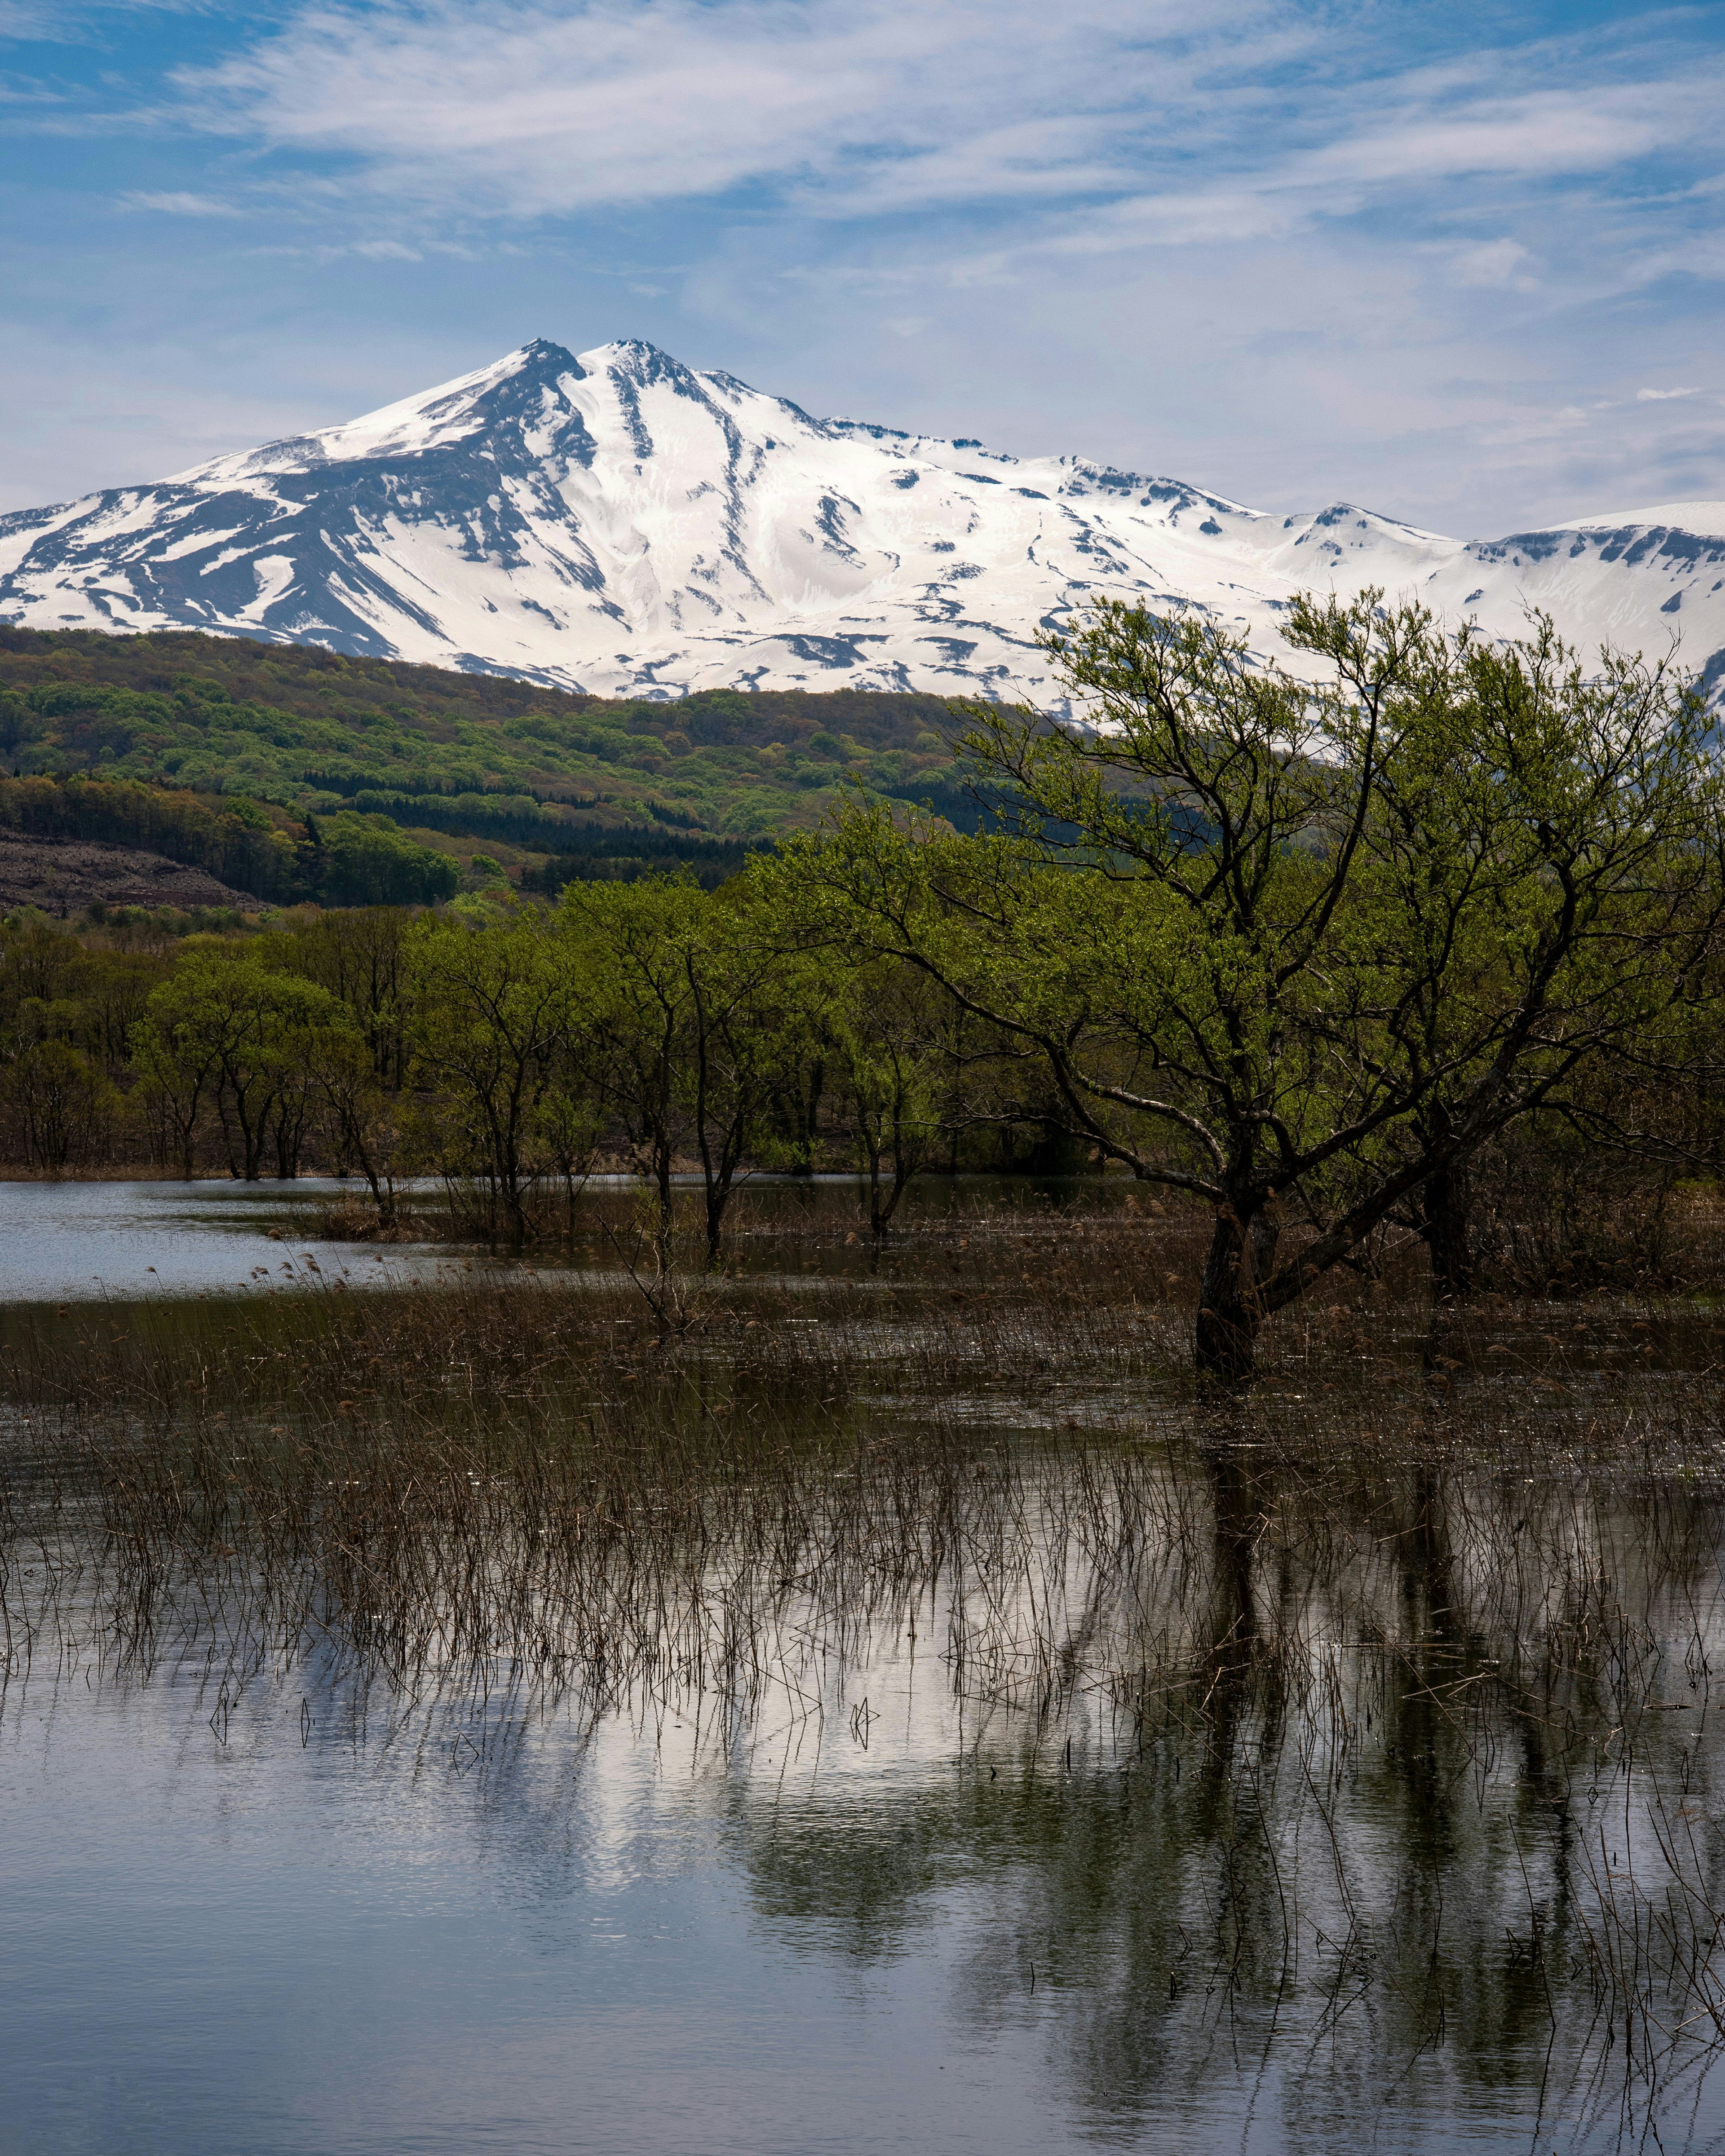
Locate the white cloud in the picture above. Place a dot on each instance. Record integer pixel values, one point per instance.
(24, 23)
(1662, 396)
(533, 108)
(180, 205)
(1542, 133)
(1498, 262)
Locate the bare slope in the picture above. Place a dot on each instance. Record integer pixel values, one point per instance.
(63, 876)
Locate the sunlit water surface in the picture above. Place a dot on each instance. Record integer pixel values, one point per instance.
(124, 1240)
(61, 1241)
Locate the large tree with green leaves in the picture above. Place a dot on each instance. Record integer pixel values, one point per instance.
(1297, 942)
(491, 1004)
(227, 1032)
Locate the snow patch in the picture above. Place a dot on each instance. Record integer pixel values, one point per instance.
(617, 522)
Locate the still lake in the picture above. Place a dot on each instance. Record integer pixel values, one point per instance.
(64, 1241)
(75, 1242)
(1142, 1790)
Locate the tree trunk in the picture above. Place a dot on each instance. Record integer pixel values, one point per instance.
(662, 1231)
(290, 1137)
(1443, 1211)
(872, 1153)
(1242, 1251)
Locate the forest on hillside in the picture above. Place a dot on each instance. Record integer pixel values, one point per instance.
(447, 756)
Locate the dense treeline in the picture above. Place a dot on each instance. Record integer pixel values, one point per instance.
(505, 1046)
(1426, 950)
(359, 855)
(344, 859)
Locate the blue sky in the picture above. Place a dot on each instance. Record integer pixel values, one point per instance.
(1463, 263)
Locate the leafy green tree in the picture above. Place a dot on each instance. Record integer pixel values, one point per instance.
(693, 1006)
(62, 1106)
(891, 1035)
(490, 1000)
(1297, 946)
(359, 1113)
(357, 955)
(1539, 893)
(632, 1039)
(226, 1032)
(569, 1129)
(366, 861)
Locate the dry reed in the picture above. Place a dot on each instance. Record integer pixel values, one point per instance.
(1386, 1694)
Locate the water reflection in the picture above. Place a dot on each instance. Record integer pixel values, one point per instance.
(1235, 1780)
(1411, 1818)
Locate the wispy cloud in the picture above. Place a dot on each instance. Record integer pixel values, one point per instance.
(865, 107)
(174, 204)
(535, 110)
(76, 22)
(21, 24)
(1495, 264)
(1420, 256)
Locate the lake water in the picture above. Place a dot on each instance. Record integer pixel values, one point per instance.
(73, 1241)
(258, 1945)
(66, 1241)
(1147, 1788)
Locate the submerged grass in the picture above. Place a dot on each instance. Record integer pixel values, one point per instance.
(1367, 1721)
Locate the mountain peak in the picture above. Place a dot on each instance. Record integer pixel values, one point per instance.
(616, 522)
(634, 360)
(540, 356)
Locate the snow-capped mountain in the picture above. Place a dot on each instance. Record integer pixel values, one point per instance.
(618, 523)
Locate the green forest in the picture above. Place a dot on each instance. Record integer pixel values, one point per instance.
(1424, 951)
(534, 786)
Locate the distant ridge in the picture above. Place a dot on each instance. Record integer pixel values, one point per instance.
(619, 524)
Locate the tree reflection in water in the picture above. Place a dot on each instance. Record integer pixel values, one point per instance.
(1276, 1774)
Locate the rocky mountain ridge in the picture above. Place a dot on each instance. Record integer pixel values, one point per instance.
(620, 524)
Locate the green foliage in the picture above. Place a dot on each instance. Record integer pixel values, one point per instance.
(61, 1104)
(345, 860)
(240, 844)
(1300, 949)
(697, 1014)
(367, 861)
(492, 1009)
(1305, 948)
(473, 755)
(227, 1027)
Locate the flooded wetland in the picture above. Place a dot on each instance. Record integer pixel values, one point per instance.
(879, 1703)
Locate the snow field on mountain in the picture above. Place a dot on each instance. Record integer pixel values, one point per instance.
(619, 524)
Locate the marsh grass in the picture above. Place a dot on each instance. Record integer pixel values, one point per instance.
(1363, 1729)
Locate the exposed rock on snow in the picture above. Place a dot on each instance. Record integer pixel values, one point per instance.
(619, 524)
